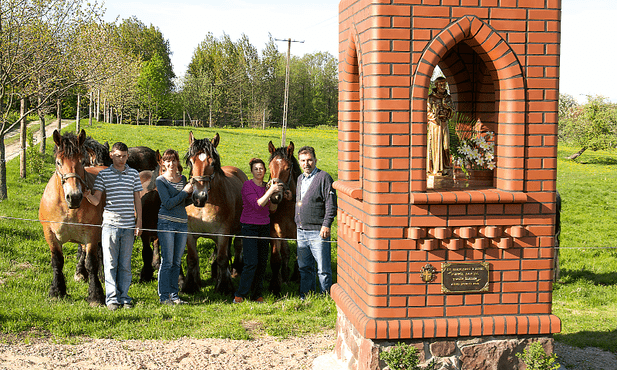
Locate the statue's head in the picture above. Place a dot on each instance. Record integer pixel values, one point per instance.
(441, 84)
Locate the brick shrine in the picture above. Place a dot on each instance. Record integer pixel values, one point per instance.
(501, 62)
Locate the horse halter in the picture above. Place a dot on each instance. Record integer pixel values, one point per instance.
(205, 178)
(64, 177)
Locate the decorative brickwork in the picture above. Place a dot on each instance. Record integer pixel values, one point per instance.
(501, 61)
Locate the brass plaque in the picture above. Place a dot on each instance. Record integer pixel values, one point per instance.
(464, 277)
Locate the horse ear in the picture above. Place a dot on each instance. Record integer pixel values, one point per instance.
(106, 145)
(290, 149)
(271, 147)
(191, 137)
(82, 137)
(158, 156)
(215, 140)
(57, 138)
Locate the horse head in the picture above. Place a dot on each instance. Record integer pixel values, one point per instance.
(281, 166)
(204, 164)
(69, 158)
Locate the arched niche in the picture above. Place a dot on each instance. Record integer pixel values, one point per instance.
(502, 104)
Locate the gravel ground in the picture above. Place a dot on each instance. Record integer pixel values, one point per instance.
(262, 353)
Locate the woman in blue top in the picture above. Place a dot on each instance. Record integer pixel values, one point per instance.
(172, 225)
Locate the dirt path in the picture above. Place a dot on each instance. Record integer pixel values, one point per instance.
(12, 150)
(263, 353)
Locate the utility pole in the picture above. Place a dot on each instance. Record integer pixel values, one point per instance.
(286, 103)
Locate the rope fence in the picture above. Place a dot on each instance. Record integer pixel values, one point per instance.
(205, 235)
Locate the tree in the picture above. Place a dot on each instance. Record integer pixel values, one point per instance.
(592, 126)
(42, 55)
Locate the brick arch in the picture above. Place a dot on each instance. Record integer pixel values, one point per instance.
(510, 95)
(351, 110)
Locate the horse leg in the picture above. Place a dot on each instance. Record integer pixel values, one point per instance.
(238, 262)
(95, 289)
(156, 254)
(58, 284)
(284, 261)
(276, 282)
(192, 283)
(147, 271)
(81, 273)
(223, 282)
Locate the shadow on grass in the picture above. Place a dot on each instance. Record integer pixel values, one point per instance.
(606, 340)
(606, 161)
(605, 279)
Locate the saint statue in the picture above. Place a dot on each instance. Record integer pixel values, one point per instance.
(439, 111)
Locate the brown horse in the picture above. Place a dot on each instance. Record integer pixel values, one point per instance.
(150, 204)
(284, 168)
(216, 209)
(66, 217)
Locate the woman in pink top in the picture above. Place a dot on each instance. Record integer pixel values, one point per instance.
(255, 219)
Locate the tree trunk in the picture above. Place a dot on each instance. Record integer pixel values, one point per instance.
(90, 110)
(22, 140)
(59, 114)
(98, 105)
(43, 134)
(3, 189)
(577, 154)
(77, 123)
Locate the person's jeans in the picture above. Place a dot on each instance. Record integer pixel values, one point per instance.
(117, 249)
(255, 257)
(313, 249)
(172, 242)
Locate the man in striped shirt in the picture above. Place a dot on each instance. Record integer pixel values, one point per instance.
(121, 223)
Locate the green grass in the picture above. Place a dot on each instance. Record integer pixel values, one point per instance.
(585, 299)
(25, 270)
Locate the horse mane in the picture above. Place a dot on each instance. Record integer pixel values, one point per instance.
(295, 166)
(69, 147)
(205, 146)
(101, 152)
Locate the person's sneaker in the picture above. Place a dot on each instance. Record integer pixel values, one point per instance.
(127, 305)
(260, 300)
(238, 300)
(178, 301)
(113, 306)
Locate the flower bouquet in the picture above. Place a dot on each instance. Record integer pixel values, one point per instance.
(476, 152)
(472, 149)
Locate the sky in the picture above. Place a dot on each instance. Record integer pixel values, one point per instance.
(587, 35)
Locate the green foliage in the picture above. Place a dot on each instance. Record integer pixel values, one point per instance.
(34, 159)
(401, 356)
(591, 126)
(230, 81)
(536, 359)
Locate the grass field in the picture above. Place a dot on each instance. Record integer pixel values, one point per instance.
(585, 299)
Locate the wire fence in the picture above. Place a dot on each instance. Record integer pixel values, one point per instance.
(194, 233)
(212, 235)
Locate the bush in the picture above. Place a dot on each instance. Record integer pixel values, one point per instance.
(34, 160)
(401, 356)
(536, 359)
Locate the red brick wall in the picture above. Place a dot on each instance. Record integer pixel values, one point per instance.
(501, 60)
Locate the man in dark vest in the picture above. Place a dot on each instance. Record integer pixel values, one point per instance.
(315, 212)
